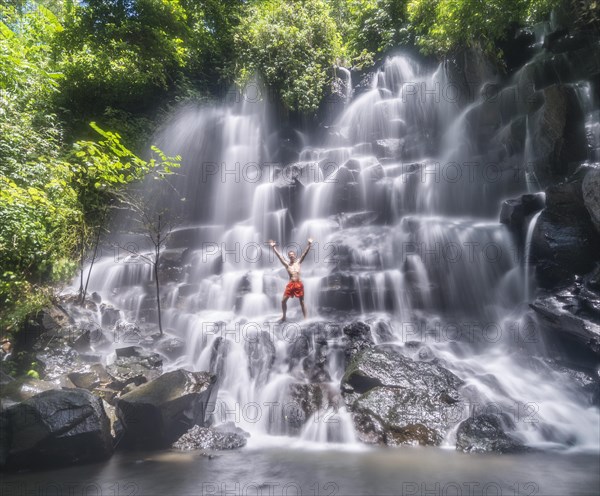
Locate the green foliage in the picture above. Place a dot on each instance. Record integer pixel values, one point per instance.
(587, 13)
(291, 45)
(445, 26)
(133, 55)
(373, 26)
(50, 192)
(120, 54)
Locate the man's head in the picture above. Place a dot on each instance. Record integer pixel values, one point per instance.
(292, 256)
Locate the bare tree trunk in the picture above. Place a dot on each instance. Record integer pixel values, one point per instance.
(91, 265)
(156, 259)
(81, 257)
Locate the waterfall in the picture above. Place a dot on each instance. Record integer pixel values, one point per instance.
(527, 257)
(404, 221)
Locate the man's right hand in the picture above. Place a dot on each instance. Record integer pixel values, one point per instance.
(272, 243)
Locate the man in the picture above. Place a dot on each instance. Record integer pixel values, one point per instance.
(294, 288)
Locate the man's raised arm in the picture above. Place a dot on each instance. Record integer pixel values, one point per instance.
(303, 256)
(281, 259)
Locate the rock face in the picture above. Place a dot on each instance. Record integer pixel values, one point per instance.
(591, 195)
(557, 135)
(395, 400)
(261, 355)
(565, 241)
(572, 315)
(208, 438)
(156, 414)
(484, 433)
(54, 428)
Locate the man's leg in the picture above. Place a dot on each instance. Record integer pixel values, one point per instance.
(302, 306)
(284, 308)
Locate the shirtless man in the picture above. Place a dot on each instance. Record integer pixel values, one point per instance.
(294, 288)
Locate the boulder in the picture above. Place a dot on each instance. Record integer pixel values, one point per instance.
(23, 389)
(395, 400)
(308, 351)
(93, 377)
(306, 399)
(134, 365)
(485, 433)
(157, 413)
(55, 428)
(514, 211)
(357, 338)
(210, 438)
(47, 320)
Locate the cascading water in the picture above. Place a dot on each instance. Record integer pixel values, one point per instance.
(403, 215)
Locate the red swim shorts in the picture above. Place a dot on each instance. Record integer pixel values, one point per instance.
(294, 289)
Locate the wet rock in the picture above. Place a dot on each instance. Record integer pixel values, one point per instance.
(156, 414)
(23, 389)
(128, 333)
(58, 427)
(485, 433)
(563, 41)
(5, 378)
(171, 347)
(566, 315)
(395, 400)
(564, 241)
(290, 194)
(261, 355)
(470, 69)
(219, 350)
(358, 338)
(584, 380)
(515, 211)
(356, 219)
(57, 359)
(557, 135)
(309, 350)
(91, 378)
(209, 438)
(381, 330)
(134, 365)
(308, 399)
(591, 195)
(389, 148)
(109, 315)
(47, 321)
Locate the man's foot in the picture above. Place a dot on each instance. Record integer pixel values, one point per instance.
(281, 320)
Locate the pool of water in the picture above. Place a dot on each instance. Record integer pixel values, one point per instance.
(284, 471)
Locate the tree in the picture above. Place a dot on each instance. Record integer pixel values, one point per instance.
(444, 26)
(291, 45)
(371, 27)
(157, 226)
(102, 170)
